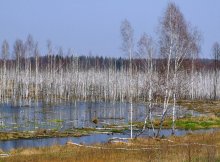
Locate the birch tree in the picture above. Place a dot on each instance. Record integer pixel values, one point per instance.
(146, 50)
(128, 48)
(36, 56)
(195, 39)
(28, 53)
(19, 53)
(5, 53)
(175, 46)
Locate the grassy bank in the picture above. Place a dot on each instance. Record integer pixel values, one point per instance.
(43, 133)
(187, 123)
(202, 106)
(203, 147)
(40, 134)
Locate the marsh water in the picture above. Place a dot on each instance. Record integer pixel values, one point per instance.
(73, 115)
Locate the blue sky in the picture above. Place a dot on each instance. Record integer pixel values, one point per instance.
(94, 25)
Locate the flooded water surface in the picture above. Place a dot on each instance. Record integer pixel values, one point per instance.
(74, 115)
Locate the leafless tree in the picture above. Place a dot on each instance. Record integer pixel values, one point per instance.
(195, 39)
(175, 46)
(28, 53)
(146, 50)
(49, 58)
(216, 54)
(128, 48)
(19, 51)
(36, 55)
(5, 54)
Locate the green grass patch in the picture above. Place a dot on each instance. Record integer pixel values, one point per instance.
(117, 131)
(198, 123)
(186, 123)
(56, 121)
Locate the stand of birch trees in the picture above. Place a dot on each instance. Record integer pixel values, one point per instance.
(56, 78)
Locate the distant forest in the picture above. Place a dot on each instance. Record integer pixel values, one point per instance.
(63, 77)
(103, 63)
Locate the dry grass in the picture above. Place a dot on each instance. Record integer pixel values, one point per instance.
(204, 147)
(203, 106)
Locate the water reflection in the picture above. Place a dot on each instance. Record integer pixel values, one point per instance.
(72, 115)
(75, 115)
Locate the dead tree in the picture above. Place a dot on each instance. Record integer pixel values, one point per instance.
(195, 39)
(29, 47)
(146, 50)
(128, 49)
(216, 54)
(19, 51)
(5, 53)
(36, 56)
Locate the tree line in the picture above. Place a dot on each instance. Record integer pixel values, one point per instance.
(35, 68)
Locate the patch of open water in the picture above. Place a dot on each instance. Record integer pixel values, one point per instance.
(75, 115)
